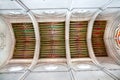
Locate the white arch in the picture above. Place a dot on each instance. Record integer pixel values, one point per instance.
(89, 42)
(37, 39)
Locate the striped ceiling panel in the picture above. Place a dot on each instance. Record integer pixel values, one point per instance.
(78, 46)
(25, 40)
(52, 39)
(97, 38)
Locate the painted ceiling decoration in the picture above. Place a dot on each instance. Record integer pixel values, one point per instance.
(117, 37)
(52, 36)
(25, 40)
(52, 39)
(97, 38)
(78, 46)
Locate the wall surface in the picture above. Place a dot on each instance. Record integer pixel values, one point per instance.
(6, 42)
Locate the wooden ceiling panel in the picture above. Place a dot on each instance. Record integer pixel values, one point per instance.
(78, 46)
(52, 39)
(25, 40)
(97, 38)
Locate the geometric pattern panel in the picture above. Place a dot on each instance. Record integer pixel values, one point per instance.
(25, 40)
(78, 45)
(117, 37)
(97, 38)
(52, 39)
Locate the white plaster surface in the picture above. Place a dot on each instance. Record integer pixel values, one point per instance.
(59, 67)
(61, 72)
(14, 68)
(108, 62)
(6, 50)
(82, 75)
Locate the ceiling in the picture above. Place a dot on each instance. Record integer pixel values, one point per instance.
(58, 7)
(40, 4)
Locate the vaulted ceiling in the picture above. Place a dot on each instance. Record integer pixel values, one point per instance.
(41, 4)
(58, 7)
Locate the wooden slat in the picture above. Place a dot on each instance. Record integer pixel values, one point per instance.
(78, 46)
(97, 38)
(25, 40)
(52, 39)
